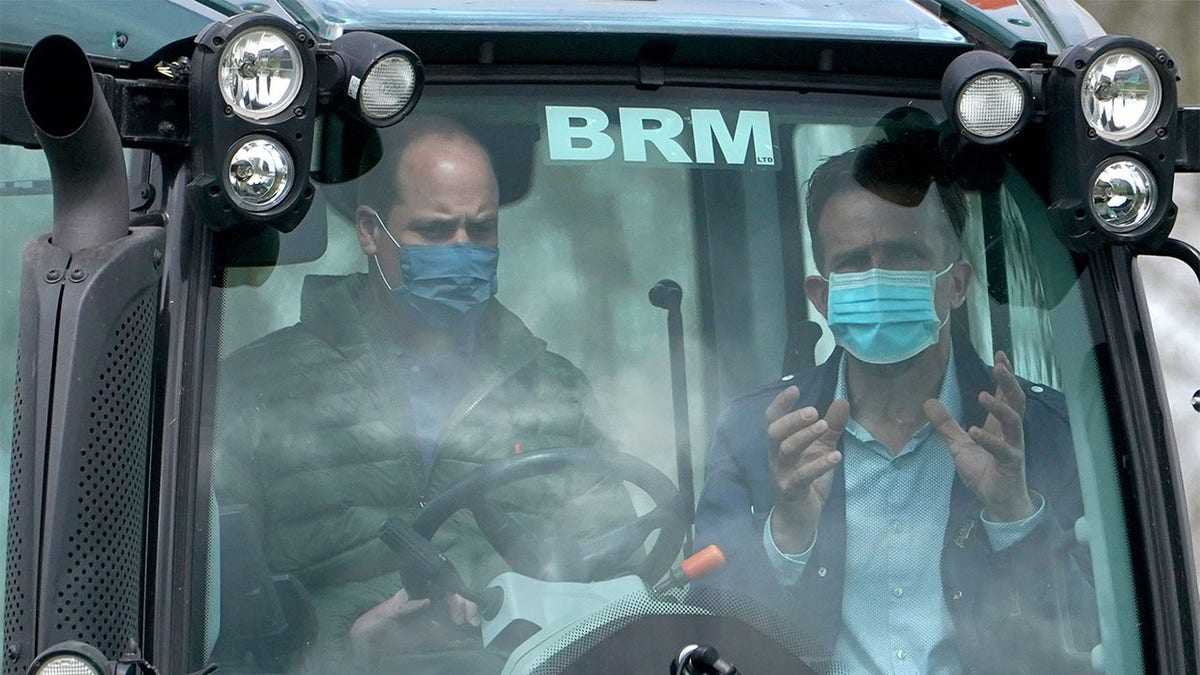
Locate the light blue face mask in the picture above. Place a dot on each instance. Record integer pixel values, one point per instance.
(458, 276)
(884, 316)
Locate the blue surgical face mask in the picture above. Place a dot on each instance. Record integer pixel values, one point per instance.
(884, 316)
(458, 276)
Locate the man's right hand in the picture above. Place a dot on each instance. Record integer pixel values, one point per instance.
(373, 621)
(802, 455)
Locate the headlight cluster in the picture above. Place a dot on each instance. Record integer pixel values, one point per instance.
(258, 83)
(1109, 107)
(1113, 125)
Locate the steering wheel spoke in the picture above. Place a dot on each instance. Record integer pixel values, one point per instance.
(611, 549)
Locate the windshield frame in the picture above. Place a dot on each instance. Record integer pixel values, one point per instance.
(1153, 510)
(517, 75)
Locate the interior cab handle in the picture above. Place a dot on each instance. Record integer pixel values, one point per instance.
(1188, 255)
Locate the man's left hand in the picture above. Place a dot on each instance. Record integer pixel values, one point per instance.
(991, 460)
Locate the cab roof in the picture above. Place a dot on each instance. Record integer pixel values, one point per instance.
(846, 19)
(132, 31)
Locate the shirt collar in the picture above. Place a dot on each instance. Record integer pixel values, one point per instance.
(949, 394)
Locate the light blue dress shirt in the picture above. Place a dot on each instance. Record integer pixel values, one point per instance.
(894, 619)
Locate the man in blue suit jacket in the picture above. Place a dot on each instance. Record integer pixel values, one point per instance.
(905, 505)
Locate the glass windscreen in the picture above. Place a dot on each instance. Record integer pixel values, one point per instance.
(558, 340)
(25, 212)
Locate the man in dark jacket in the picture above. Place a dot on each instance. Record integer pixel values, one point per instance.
(903, 504)
(393, 386)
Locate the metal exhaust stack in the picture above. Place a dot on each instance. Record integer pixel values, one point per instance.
(83, 415)
(76, 129)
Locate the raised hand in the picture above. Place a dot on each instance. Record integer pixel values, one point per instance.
(802, 455)
(991, 460)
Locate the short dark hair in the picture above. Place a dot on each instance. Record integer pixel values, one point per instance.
(900, 173)
(378, 187)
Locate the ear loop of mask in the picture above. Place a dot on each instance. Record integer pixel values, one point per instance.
(935, 278)
(376, 257)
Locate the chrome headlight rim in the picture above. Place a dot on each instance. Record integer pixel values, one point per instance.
(280, 196)
(293, 51)
(1088, 94)
(1133, 226)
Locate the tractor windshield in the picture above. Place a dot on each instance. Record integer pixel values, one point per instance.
(884, 370)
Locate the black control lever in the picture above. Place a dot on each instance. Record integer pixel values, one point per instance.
(701, 660)
(668, 295)
(426, 573)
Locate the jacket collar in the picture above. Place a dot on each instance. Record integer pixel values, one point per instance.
(341, 312)
(973, 377)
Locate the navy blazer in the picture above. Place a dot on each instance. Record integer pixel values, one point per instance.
(1029, 608)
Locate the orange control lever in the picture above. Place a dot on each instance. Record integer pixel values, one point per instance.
(703, 563)
(699, 564)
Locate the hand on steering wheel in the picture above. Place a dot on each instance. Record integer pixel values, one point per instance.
(589, 559)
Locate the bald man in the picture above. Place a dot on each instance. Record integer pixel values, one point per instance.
(394, 385)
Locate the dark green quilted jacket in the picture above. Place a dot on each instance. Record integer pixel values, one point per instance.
(310, 442)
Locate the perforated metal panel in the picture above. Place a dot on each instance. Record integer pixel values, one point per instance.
(39, 301)
(15, 602)
(101, 594)
(81, 462)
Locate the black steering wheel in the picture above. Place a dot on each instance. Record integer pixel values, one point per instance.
(587, 559)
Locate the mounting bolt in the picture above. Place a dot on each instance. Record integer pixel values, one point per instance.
(299, 111)
(1161, 132)
(1161, 56)
(77, 275)
(54, 276)
(1091, 132)
(166, 128)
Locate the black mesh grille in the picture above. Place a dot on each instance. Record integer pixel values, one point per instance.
(101, 593)
(15, 622)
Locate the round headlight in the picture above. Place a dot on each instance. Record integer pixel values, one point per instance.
(990, 105)
(260, 173)
(1123, 194)
(387, 87)
(260, 72)
(1121, 94)
(67, 664)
